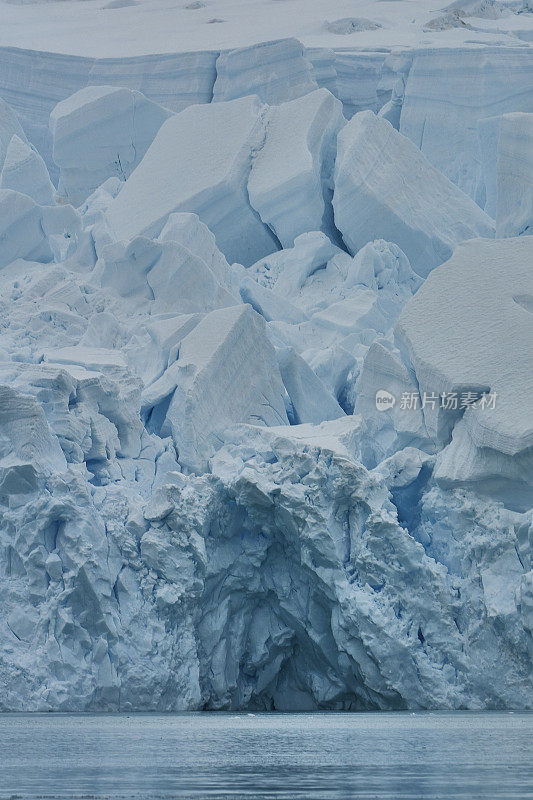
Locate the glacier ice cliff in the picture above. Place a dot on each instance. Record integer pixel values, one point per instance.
(448, 90)
(98, 133)
(265, 381)
(385, 188)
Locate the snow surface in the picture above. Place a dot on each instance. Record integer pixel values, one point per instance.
(226, 477)
(95, 28)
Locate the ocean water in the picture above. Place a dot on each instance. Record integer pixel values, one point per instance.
(323, 756)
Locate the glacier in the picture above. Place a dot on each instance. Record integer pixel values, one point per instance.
(24, 171)
(266, 369)
(86, 151)
(514, 209)
(385, 188)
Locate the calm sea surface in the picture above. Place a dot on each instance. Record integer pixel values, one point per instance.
(255, 756)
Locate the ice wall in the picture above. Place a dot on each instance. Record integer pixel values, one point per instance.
(34, 82)
(446, 91)
(244, 473)
(449, 89)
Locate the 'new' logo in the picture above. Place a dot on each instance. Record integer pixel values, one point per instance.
(384, 400)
